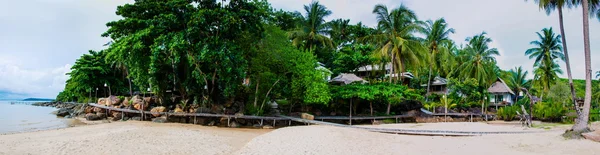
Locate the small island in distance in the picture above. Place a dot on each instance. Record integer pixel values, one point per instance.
(37, 99)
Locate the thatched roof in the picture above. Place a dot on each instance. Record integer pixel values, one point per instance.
(499, 87)
(346, 79)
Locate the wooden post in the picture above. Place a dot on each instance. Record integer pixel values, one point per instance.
(194, 119)
(350, 119)
(261, 122)
(289, 122)
(228, 119)
(274, 122)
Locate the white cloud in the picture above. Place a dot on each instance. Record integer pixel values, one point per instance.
(32, 82)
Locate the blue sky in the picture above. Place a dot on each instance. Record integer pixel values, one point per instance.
(40, 39)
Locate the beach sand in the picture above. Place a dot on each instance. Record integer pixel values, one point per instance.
(152, 138)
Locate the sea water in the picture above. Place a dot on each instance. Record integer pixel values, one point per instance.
(16, 118)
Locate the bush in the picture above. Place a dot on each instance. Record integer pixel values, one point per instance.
(508, 113)
(549, 111)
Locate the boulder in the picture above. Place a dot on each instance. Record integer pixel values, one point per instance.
(91, 117)
(267, 127)
(307, 116)
(101, 115)
(62, 112)
(96, 109)
(138, 103)
(89, 109)
(178, 109)
(102, 101)
(211, 123)
(126, 102)
(149, 100)
(116, 114)
(158, 109)
(135, 118)
(234, 124)
(113, 100)
(593, 136)
(159, 120)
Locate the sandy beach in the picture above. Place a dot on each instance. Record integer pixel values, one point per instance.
(153, 138)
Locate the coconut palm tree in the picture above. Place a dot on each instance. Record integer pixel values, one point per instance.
(549, 6)
(546, 75)
(479, 59)
(436, 33)
(546, 49)
(396, 39)
(313, 29)
(517, 80)
(339, 31)
(581, 125)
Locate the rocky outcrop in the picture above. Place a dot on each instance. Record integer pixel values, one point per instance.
(91, 117)
(64, 109)
(63, 112)
(158, 109)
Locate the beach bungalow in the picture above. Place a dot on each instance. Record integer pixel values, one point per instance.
(374, 70)
(439, 86)
(500, 94)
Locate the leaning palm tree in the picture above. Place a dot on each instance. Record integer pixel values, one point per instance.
(549, 6)
(518, 79)
(480, 60)
(396, 39)
(581, 124)
(436, 33)
(313, 29)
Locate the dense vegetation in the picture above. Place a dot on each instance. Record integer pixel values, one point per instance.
(217, 54)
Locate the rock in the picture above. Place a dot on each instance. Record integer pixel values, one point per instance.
(101, 115)
(267, 127)
(97, 110)
(89, 109)
(113, 100)
(117, 114)
(62, 112)
(125, 102)
(149, 100)
(102, 101)
(158, 109)
(91, 117)
(138, 103)
(256, 126)
(211, 123)
(68, 116)
(178, 110)
(307, 116)
(159, 120)
(136, 119)
(240, 120)
(234, 124)
(593, 136)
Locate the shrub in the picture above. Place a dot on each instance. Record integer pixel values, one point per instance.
(508, 113)
(549, 111)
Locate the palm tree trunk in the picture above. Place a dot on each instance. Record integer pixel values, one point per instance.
(582, 119)
(392, 67)
(428, 84)
(387, 112)
(130, 90)
(371, 105)
(568, 64)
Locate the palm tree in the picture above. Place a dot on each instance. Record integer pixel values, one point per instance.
(396, 39)
(436, 33)
(546, 49)
(581, 125)
(313, 29)
(339, 31)
(479, 59)
(598, 75)
(546, 75)
(549, 6)
(518, 79)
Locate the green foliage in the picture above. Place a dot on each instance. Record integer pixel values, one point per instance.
(467, 91)
(550, 111)
(508, 113)
(546, 50)
(350, 58)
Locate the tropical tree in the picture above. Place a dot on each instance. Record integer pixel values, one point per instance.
(396, 39)
(518, 79)
(549, 6)
(436, 33)
(339, 32)
(581, 124)
(546, 50)
(313, 28)
(479, 59)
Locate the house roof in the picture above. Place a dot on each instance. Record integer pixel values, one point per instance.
(388, 66)
(437, 81)
(500, 87)
(345, 78)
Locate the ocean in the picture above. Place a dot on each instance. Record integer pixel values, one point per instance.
(16, 118)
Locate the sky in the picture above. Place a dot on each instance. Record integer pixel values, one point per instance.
(41, 39)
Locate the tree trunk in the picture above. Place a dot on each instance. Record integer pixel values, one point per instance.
(428, 85)
(256, 93)
(130, 90)
(582, 119)
(388, 108)
(350, 116)
(392, 67)
(371, 105)
(567, 62)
